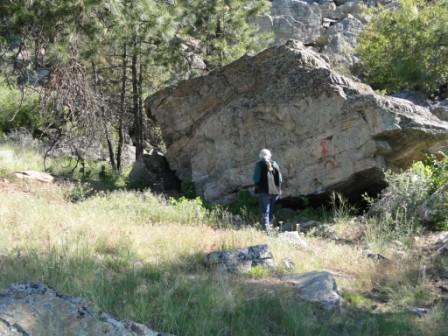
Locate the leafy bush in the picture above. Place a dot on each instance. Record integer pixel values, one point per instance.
(405, 48)
(17, 109)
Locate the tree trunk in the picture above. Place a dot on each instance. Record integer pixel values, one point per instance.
(122, 112)
(135, 95)
(104, 119)
(140, 100)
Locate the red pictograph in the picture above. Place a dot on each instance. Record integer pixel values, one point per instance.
(326, 158)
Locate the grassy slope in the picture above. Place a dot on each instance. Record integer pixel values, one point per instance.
(139, 257)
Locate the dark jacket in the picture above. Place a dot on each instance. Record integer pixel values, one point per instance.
(266, 181)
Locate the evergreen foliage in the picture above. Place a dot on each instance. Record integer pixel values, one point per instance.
(223, 28)
(96, 60)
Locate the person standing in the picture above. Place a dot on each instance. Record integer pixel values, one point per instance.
(268, 180)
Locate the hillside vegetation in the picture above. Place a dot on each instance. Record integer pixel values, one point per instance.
(406, 47)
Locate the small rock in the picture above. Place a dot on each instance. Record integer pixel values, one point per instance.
(375, 256)
(240, 260)
(319, 287)
(418, 311)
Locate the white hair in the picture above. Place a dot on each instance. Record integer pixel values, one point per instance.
(265, 154)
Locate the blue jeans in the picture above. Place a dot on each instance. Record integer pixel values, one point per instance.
(266, 202)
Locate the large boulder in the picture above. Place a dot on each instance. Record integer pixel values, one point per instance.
(35, 309)
(328, 132)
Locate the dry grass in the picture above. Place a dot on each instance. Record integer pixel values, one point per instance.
(139, 257)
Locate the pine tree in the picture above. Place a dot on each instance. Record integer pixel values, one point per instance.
(223, 28)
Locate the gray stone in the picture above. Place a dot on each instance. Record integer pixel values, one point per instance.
(328, 132)
(295, 19)
(417, 98)
(440, 109)
(35, 309)
(442, 245)
(418, 310)
(240, 260)
(319, 287)
(308, 21)
(264, 23)
(340, 40)
(375, 256)
(327, 8)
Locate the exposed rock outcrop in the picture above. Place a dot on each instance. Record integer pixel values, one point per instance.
(327, 131)
(35, 309)
(330, 26)
(440, 109)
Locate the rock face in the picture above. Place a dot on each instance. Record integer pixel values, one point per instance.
(319, 287)
(35, 309)
(330, 26)
(328, 132)
(440, 109)
(298, 20)
(240, 260)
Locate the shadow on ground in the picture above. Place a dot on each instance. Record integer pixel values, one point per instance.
(181, 297)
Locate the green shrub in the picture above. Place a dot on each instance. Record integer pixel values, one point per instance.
(17, 109)
(396, 215)
(405, 48)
